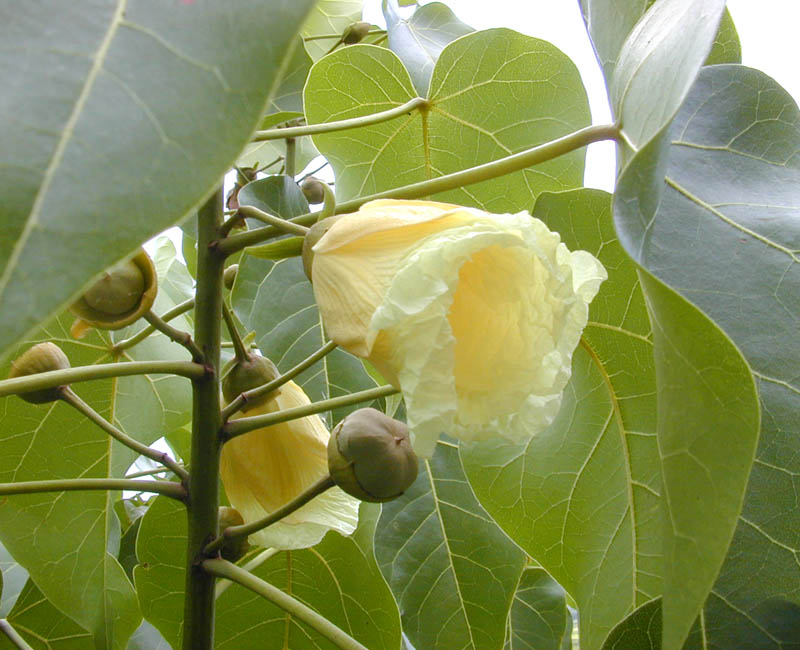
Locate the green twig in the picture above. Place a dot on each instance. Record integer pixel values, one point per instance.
(176, 335)
(339, 638)
(290, 162)
(13, 635)
(149, 472)
(55, 378)
(306, 363)
(244, 530)
(240, 426)
(198, 626)
(140, 336)
(240, 350)
(167, 488)
(340, 125)
(485, 172)
(253, 563)
(69, 396)
(320, 37)
(287, 226)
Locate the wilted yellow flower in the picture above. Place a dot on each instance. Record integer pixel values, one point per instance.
(473, 315)
(266, 468)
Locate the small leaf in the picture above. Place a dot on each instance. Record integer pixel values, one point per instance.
(727, 48)
(539, 618)
(453, 571)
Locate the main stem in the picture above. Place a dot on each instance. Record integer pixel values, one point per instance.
(198, 630)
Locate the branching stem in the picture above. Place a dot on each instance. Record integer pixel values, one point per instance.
(167, 488)
(485, 172)
(244, 530)
(176, 335)
(240, 426)
(69, 396)
(337, 636)
(54, 378)
(177, 310)
(306, 363)
(340, 125)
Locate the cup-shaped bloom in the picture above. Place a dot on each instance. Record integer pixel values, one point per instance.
(474, 316)
(266, 468)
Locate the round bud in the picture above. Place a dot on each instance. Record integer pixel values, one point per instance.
(355, 33)
(313, 190)
(246, 375)
(313, 235)
(230, 276)
(121, 296)
(370, 456)
(235, 547)
(42, 357)
(118, 290)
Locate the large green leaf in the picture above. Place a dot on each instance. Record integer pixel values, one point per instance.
(43, 626)
(289, 93)
(582, 497)
(118, 119)
(609, 22)
(339, 578)
(419, 40)
(329, 17)
(276, 300)
(658, 64)
(453, 571)
(539, 618)
(725, 235)
(492, 93)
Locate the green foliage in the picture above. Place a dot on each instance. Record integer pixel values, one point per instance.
(661, 504)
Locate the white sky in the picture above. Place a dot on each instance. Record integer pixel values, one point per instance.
(767, 30)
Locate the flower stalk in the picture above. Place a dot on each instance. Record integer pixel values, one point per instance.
(176, 335)
(477, 174)
(224, 569)
(70, 397)
(240, 350)
(141, 335)
(243, 425)
(252, 212)
(54, 378)
(250, 395)
(243, 530)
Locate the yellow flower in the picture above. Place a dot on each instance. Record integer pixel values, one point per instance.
(473, 315)
(266, 468)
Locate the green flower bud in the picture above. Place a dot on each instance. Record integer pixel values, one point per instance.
(313, 190)
(42, 357)
(246, 375)
(355, 33)
(230, 276)
(123, 294)
(370, 456)
(235, 548)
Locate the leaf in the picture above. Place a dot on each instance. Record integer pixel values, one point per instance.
(53, 441)
(289, 93)
(160, 575)
(13, 580)
(706, 403)
(539, 619)
(641, 630)
(43, 626)
(329, 17)
(118, 120)
(533, 89)
(582, 498)
(658, 64)
(727, 48)
(452, 570)
(724, 235)
(276, 300)
(269, 153)
(148, 638)
(339, 578)
(609, 22)
(419, 41)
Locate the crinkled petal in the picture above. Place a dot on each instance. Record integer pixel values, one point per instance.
(266, 468)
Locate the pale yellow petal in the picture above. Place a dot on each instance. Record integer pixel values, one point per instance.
(264, 469)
